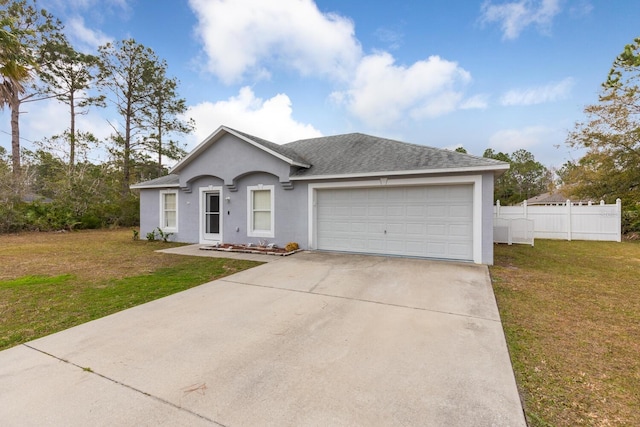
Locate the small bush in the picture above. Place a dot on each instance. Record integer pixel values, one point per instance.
(164, 236)
(90, 221)
(631, 220)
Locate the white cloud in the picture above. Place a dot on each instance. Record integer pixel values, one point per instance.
(87, 37)
(510, 140)
(383, 93)
(269, 119)
(581, 9)
(538, 95)
(476, 102)
(244, 37)
(513, 17)
(391, 37)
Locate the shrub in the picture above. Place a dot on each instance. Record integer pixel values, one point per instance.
(631, 220)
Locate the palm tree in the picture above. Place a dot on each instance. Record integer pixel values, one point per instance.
(15, 70)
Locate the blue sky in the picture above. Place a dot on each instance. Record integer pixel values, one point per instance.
(480, 74)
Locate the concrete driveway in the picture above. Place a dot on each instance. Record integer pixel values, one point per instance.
(315, 339)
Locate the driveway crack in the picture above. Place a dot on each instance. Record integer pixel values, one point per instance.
(114, 381)
(466, 316)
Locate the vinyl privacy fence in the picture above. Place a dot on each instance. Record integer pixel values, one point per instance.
(568, 221)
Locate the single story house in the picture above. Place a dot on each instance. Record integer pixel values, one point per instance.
(350, 193)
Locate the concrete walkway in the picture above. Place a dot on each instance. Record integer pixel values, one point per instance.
(307, 340)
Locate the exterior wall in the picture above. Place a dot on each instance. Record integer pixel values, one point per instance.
(487, 218)
(231, 165)
(290, 211)
(149, 210)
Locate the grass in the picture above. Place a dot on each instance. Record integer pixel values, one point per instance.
(571, 314)
(52, 281)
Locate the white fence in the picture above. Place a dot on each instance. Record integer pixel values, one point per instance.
(512, 231)
(568, 222)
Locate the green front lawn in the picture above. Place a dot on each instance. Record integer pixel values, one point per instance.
(52, 281)
(571, 314)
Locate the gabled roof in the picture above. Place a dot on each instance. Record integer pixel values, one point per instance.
(357, 154)
(279, 151)
(346, 156)
(170, 180)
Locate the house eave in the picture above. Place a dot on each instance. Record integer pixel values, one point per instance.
(495, 168)
(142, 186)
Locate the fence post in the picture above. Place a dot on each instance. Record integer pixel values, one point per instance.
(497, 208)
(526, 211)
(568, 220)
(619, 218)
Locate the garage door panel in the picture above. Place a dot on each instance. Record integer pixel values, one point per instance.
(417, 211)
(415, 193)
(459, 192)
(460, 211)
(436, 249)
(436, 230)
(375, 227)
(460, 250)
(396, 228)
(359, 211)
(460, 230)
(425, 221)
(437, 211)
(395, 211)
(358, 227)
(395, 246)
(416, 229)
(416, 248)
(359, 244)
(377, 245)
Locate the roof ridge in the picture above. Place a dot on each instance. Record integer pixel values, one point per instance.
(397, 141)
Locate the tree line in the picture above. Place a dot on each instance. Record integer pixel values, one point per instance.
(56, 185)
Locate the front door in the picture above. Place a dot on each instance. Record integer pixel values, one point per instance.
(211, 220)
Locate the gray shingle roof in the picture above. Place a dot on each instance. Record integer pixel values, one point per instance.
(357, 153)
(170, 180)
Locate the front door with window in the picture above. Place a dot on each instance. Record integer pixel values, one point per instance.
(211, 220)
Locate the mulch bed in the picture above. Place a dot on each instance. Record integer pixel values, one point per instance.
(234, 247)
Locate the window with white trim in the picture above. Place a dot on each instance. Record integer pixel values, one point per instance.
(260, 218)
(169, 210)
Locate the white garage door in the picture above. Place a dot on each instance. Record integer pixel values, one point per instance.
(425, 221)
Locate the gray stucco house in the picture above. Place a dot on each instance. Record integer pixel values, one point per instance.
(351, 193)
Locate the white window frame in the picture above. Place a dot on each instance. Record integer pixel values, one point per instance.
(260, 233)
(162, 211)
